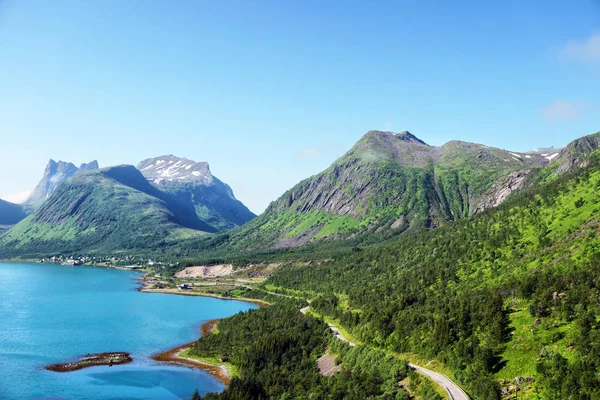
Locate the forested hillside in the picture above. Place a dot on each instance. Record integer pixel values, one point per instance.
(509, 293)
(506, 299)
(275, 351)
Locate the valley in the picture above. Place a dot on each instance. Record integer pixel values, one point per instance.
(470, 266)
(299, 200)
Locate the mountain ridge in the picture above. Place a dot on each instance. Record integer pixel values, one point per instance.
(387, 182)
(396, 182)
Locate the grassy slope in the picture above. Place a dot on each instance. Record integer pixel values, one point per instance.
(231, 369)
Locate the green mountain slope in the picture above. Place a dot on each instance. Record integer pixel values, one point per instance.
(109, 210)
(389, 182)
(508, 293)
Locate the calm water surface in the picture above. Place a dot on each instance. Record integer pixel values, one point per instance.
(51, 314)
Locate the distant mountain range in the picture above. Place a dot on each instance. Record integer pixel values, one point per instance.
(387, 182)
(11, 213)
(104, 210)
(87, 209)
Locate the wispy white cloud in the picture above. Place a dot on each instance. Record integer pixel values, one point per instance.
(307, 153)
(17, 197)
(321, 152)
(586, 50)
(564, 109)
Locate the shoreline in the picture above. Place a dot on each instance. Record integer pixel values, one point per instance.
(207, 327)
(173, 356)
(140, 269)
(143, 288)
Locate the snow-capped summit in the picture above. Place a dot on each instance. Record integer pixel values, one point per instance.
(191, 182)
(164, 169)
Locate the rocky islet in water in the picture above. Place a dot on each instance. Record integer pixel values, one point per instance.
(92, 360)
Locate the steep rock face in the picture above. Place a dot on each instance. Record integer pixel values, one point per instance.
(384, 167)
(575, 154)
(55, 174)
(192, 183)
(500, 191)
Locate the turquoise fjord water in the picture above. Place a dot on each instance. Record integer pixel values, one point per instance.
(51, 313)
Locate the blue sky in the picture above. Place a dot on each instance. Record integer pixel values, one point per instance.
(271, 92)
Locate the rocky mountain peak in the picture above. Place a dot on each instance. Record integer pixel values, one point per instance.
(577, 152)
(60, 167)
(404, 136)
(55, 173)
(172, 169)
(88, 166)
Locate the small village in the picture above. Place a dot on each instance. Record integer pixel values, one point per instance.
(124, 262)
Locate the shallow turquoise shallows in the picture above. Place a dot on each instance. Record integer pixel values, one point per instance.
(51, 313)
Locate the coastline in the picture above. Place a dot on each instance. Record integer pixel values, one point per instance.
(144, 288)
(209, 326)
(173, 356)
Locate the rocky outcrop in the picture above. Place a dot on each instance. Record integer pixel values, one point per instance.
(575, 154)
(500, 191)
(299, 240)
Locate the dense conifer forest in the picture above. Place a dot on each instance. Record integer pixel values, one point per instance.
(505, 298)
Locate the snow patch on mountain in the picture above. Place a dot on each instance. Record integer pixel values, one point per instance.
(170, 168)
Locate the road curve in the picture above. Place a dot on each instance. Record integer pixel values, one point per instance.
(339, 335)
(333, 328)
(454, 391)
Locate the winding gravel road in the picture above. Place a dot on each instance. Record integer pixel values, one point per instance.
(453, 390)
